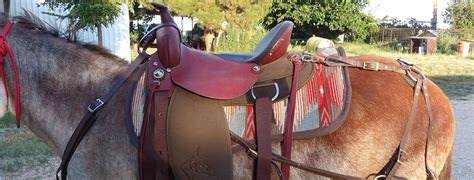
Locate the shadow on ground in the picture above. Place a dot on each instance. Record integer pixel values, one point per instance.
(456, 87)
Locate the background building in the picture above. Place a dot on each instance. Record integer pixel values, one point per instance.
(116, 37)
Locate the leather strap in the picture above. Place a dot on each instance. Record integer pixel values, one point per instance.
(263, 121)
(288, 131)
(389, 170)
(153, 153)
(146, 159)
(400, 154)
(335, 60)
(429, 173)
(89, 117)
(414, 74)
(250, 148)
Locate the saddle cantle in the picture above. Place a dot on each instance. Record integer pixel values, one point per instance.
(218, 76)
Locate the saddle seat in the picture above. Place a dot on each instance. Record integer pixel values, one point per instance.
(270, 48)
(223, 76)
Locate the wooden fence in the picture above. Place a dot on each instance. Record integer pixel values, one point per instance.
(389, 35)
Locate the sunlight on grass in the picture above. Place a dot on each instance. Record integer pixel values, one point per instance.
(454, 74)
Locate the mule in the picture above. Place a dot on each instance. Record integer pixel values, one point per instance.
(59, 78)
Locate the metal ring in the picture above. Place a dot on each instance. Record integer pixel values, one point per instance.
(379, 176)
(277, 92)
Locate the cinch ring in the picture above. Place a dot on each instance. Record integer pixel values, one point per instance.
(277, 92)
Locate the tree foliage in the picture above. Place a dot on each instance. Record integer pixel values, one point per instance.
(212, 13)
(86, 14)
(460, 14)
(140, 14)
(323, 18)
(393, 22)
(218, 16)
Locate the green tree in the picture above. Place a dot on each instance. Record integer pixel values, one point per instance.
(323, 18)
(220, 15)
(460, 14)
(87, 14)
(140, 13)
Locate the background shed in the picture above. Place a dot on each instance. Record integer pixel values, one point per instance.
(422, 45)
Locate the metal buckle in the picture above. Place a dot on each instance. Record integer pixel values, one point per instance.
(371, 66)
(95, 105)
(277, 92)
(252, 153)
(404, 62)
(379, 177)
(307, 58)
(400, 154)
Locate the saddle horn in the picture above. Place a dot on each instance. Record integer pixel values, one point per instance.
(164, 12)
(168, 38)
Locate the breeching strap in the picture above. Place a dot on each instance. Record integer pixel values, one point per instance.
(4, 50)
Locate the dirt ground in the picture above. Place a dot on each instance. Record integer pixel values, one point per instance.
(463, 162)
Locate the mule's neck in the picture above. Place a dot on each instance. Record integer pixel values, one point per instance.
(58, 80)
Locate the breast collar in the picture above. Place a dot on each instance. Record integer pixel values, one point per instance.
(5, 49)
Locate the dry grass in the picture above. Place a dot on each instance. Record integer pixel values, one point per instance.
(455, 75)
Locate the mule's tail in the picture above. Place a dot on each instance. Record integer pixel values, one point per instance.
(446, 172)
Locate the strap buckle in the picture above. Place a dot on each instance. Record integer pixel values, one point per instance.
(381, 176)
(307, 58)
(371, 66)
(401, 156)
(95, 105)
(253, 153)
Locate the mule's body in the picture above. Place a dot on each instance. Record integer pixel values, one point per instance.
(59, 79)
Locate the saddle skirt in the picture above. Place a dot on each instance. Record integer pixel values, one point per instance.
(323, 101)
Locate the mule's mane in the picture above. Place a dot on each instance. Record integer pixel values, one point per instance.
(31, 21)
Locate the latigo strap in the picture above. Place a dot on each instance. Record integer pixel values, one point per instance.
(290, 117)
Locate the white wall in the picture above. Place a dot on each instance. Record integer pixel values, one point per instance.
(116, 37)
(184, 23)
(1, 7)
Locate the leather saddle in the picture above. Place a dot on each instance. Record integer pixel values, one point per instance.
(218, 76)
(185, 134)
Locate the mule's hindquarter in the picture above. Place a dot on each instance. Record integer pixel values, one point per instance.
(381, 103)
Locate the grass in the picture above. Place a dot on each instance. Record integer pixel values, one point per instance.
(21, 150)
(455, 75)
